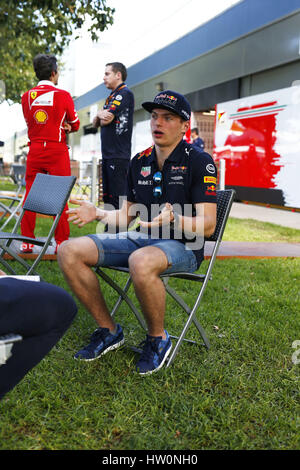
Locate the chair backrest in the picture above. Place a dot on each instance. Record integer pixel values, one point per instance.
(224, 202)
(86, 170)
(18, 173)
(49, 194)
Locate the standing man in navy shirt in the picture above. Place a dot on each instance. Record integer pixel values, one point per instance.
(196, 139)
(116, 121)
(172, 188)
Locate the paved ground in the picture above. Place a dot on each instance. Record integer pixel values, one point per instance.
(254, 250)
(286, 218)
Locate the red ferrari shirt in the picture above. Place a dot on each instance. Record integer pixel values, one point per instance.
(46, 108)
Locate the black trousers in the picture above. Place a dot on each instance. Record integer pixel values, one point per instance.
(40, 313)
(114, 176)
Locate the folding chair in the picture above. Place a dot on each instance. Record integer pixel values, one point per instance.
(85, 178)
(48, 195)
(12, 208)
(224, 203)
(17, 174)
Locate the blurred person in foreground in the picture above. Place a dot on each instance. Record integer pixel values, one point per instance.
(35, 315)
(171, 186)
(50, 115)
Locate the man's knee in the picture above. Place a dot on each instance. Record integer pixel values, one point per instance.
(146, 262)
(67, 252)
(138, 264)
(76, 251)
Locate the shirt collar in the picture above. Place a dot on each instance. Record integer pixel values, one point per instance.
(175, 156)
(118, 87)
(46, 82)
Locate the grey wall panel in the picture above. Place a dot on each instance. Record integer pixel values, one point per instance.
(267, 48)
(241, 19)
(274, 45)
(274, 79)
(206, 99)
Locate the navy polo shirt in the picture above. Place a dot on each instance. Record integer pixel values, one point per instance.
(189, 176)
(198, 142)
(116, 136)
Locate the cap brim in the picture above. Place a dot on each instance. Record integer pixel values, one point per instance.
(149, 106)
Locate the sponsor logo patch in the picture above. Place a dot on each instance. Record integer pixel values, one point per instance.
(210, 193)
(45, 99)
(40, 116)
(210, 168)
(178, 169)
(210, 179)
(145, 171)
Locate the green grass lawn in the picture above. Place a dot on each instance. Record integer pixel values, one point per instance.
(241, 394)
(249, 230)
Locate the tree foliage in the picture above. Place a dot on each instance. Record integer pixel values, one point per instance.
(42, 26)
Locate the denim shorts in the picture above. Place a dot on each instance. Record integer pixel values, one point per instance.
(115, 248)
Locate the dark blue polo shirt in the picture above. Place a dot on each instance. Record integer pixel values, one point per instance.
(189, 176)
(198, 142)
(116, 136)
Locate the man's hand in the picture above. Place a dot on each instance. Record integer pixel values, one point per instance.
(96, 121)
(2, 273)
(85, 213)
(67, 127)
(164, 218)
(105, 116)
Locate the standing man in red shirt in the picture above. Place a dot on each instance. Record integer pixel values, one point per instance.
(50, 115)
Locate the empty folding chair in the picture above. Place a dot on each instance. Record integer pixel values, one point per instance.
(10, 208)
(17, 174)
(48, 195)
(10, 204)
(85, 178)
(224, 203)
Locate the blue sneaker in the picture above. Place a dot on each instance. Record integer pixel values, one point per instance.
(101, 342)
(154, 355)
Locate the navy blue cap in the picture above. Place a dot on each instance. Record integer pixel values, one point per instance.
(172, 101)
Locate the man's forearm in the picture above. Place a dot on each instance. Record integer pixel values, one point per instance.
(198, 225)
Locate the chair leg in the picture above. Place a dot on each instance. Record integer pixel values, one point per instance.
(7, 266)
(181, 338)
(12, 253)
(185, 307)
(120, 299)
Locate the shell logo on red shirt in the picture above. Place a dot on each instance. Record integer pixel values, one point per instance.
(40, 116)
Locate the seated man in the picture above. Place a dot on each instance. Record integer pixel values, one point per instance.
(37, 312)
(171, 186)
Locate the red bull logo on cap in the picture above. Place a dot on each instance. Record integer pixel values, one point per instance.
(164, 96)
